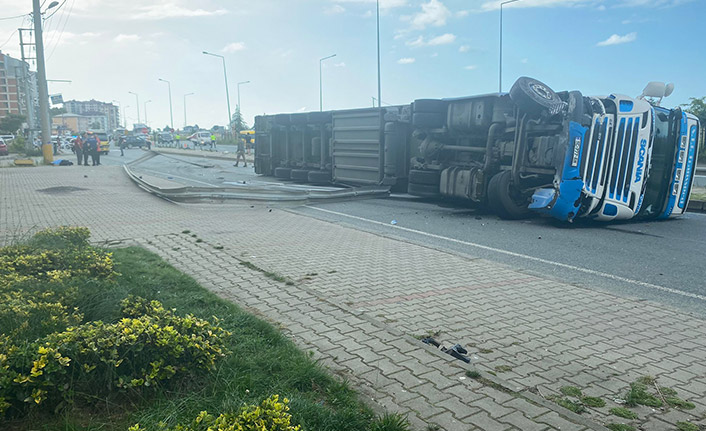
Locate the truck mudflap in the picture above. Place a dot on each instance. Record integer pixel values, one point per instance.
(563, 202)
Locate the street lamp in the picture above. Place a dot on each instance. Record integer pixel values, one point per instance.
(321, 87)
(225, 75)
(187, 94)
(500, 79)
(171, 116)
(239, 84)
(377, 9)
(146, 110)
(137, 98)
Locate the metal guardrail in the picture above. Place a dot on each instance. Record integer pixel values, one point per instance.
(282, 193)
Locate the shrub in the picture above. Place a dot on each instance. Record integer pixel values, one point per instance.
(62, 237)
(29, 316)
(97, 358)
(270, 415)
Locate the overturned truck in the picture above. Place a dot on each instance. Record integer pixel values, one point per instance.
(531, 150)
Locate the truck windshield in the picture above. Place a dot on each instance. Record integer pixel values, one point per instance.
(663, 153)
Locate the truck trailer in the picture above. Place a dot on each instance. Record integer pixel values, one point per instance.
(532, 150)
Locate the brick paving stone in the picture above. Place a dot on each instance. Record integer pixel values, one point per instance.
(549, 332)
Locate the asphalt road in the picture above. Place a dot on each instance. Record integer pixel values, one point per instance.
(662, 261)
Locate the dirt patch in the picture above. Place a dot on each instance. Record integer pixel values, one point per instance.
(61, 190)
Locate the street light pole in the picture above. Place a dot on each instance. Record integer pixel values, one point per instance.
(500, 78)
(137, 98)
(146, 110)
(321, 85)
(171, 116)
(239, 84)
(225, 75)
(187, 94)
(47, 150)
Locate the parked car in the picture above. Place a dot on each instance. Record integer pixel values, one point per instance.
(3, 148)
(137, 141)
(165, 138)
(202, 138)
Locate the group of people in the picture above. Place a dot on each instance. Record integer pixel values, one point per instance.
(85, 145)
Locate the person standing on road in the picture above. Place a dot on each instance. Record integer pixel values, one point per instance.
(121, 143)
(240, 153)
(91, 148)
(213, 141)
(78, 149)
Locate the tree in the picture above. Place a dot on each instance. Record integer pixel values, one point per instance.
(57, 111)
(12, 123)
(238, 123)
(95, 125)
(697, 106)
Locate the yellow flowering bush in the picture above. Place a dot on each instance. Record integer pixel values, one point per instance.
(29, 316)
(62, 237)
(270, 415)
(97, 357)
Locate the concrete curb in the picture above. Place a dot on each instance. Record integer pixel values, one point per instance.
(697, 207)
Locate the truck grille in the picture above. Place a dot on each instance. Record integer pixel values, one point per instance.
(623, 160)
(596, 154)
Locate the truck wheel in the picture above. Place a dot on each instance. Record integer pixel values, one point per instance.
(534, 97)
(283, 173)
(576, 106)
(300, 175)
(319, 177)
(504, 200)
(432, 178)
(428, 120)
(423, 190)
(429, 105)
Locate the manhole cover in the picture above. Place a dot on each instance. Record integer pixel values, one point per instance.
(61, 190)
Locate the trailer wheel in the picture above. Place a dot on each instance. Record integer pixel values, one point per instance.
(283, 173)
(300, 175)
(504, 200)
(428, 120)
(429, 105)
(534, 97)
(423, 190)
(319, 177)
(432, 178)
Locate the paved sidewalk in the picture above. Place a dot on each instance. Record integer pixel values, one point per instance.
(356, 300)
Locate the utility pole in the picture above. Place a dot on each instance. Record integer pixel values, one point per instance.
(28, 94)
(377, 9)
(171, 115)
(47, 149)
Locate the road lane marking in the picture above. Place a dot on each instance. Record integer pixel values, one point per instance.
(522, 256)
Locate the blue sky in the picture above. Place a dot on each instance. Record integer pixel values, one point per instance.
(430, 48)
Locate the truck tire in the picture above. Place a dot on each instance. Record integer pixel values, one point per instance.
(283, 173)
(501, 198)
(319, 177)
(576, 107)
(423, 190)
(301, 175)
(534, 97)
(429, 105)
(432, 178)
(428, 120)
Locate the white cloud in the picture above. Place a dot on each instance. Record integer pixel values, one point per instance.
(384, 4)
(433, 14)
(406, 60)
(173, 10)
(234, 47)
(471, 67)
(464, 48)
(341, 64)
(462, 13)
(126, 38)
(617, 39)
(334, 9)
(444, 39)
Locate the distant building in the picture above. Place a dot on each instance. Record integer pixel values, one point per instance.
(95, 108)
(18, 90)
